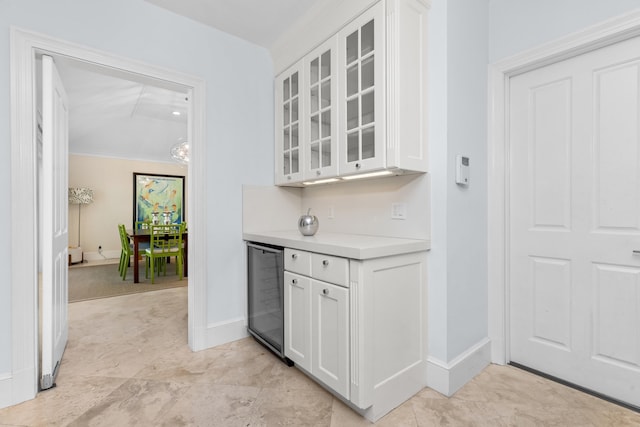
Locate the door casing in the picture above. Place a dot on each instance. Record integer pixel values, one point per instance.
(606, 33)
(25, 45)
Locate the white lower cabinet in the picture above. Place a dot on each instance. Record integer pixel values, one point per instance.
(330, 335)
(363, 334)
(317, 317)
(297, 323)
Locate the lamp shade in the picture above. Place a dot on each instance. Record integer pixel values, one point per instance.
(80, 196)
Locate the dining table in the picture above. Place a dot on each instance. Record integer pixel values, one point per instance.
(142, 235)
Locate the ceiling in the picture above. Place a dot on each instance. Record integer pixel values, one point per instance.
(118, 114)
(259, 21)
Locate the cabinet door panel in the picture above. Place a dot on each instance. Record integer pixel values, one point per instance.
(320, 143)
(361, 92)
(289, 110)
(297, 321)
(330, 327)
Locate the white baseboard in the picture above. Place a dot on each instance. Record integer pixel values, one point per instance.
(106, 254)
(447, 378)
(16, 389)
(224, 332)
(6, 398)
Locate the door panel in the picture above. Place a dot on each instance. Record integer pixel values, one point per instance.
(330, 325)
(551, 167)
(574, 220)
(297, 324)
(551, 297)
(55, 238)
(616, 299)
(616, 147)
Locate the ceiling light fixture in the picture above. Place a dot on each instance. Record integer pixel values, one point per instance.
(180, 152)
(176, 113)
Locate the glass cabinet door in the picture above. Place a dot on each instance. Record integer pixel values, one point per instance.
(320, 146)
(362, 93)
(288, 127)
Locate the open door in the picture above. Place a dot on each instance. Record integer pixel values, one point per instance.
(55, 232)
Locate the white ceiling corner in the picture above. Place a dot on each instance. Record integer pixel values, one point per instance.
(260, 22)
(114, 113)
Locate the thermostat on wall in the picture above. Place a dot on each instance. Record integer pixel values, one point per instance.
(462, 170)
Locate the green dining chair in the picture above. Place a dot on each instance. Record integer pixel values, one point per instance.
(165, 242)
(142, 225)
(126, 253)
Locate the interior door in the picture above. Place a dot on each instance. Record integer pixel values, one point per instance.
(575, 220)
(55, 235)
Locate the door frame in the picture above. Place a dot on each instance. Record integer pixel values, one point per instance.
(25, 45)
(606, 33)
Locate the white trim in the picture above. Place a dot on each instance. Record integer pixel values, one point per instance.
(606, 33)
(24, 268)
(5, 389)
(227, 331)
(447, 378)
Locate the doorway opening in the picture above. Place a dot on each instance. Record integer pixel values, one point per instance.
(26, 46)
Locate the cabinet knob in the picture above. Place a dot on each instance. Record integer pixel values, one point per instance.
(325, 291)
(294, 256)
(318, 173)
(325, 263)
(357, 165)
(289, 177)
(294, 281)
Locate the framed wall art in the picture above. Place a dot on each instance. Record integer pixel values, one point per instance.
(158, 198)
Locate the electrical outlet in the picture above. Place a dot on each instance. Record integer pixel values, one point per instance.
(331, 214)
(398, 211)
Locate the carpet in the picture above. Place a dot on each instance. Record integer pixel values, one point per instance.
(87, 282)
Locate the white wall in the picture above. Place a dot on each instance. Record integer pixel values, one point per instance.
(438, 131)
(517, 25)
(467, 205)
(239, 118)
(111, 180)
(458, 112)
(364, 207)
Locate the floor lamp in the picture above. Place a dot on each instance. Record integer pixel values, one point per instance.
(79, 196)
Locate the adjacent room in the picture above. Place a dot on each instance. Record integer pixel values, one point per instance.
(125, 134)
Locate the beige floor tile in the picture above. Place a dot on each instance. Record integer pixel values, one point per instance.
(293, 408)
(61, 405)
(342, 415)
(128, 363)
(212, 405)
(134, 403)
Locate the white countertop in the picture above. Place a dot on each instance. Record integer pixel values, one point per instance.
(354, 246)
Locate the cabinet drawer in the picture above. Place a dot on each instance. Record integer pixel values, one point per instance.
(297, 261)
(330, 269)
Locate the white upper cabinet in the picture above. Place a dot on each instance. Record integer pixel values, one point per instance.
(361, 93)
(320, 141)
(288, 112)
(361, 106)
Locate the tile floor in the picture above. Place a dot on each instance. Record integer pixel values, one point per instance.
(127, 364)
